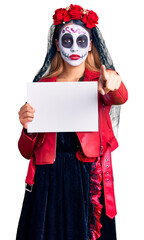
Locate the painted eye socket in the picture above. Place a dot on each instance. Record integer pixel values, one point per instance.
(67, 40)
(82, 41)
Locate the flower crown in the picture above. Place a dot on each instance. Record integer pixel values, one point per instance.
(63, 15)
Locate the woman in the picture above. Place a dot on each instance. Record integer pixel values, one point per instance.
(69, 183)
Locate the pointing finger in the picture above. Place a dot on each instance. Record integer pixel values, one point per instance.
(103, 72)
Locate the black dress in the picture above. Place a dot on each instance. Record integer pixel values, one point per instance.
(60, 207)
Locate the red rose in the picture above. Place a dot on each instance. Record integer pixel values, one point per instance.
(60, 15)
(90, 19)
(66, 16)
(75, 12)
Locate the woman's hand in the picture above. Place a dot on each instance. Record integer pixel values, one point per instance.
(109, 80)
(26, 114)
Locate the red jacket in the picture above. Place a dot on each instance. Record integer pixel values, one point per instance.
(43, 146)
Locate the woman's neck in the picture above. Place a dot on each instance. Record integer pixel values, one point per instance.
(71, 73)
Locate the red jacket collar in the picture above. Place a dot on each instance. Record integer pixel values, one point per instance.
(89, 75)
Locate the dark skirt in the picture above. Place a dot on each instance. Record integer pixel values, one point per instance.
(59, 207)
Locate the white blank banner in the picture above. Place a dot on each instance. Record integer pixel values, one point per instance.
(63, 106)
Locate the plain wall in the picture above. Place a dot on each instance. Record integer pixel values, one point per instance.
(24, 28)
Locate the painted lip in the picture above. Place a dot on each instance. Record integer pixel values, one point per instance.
(74, 57)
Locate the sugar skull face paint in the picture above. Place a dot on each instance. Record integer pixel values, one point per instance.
(74, 42)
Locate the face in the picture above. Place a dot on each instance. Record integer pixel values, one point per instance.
(74, 44)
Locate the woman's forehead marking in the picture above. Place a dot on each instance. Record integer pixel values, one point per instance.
(72, 30)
